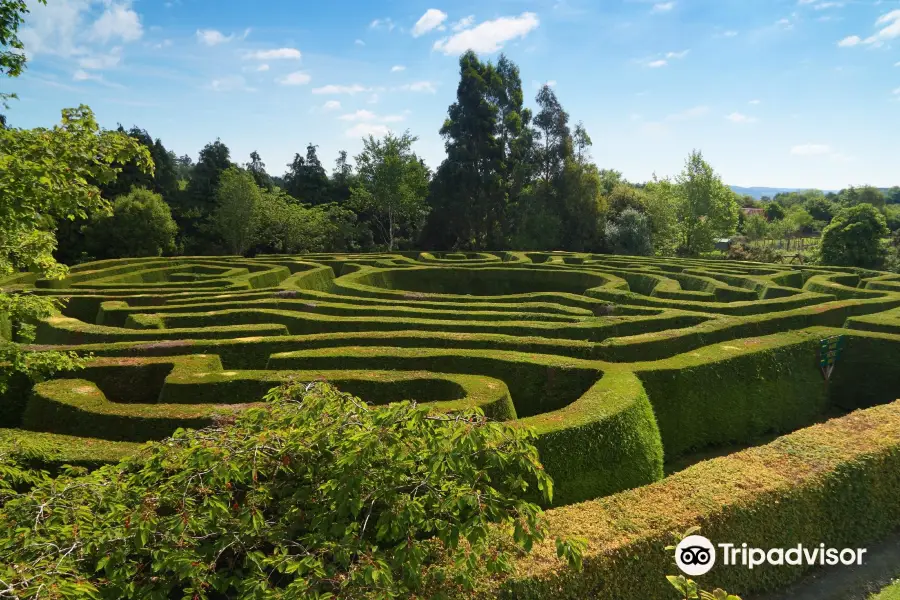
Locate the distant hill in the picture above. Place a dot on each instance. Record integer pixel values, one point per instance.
(759, 192)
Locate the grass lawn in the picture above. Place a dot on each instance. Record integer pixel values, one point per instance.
(891, 592)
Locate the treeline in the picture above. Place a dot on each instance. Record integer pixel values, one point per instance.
(513, 178)
(808, 212)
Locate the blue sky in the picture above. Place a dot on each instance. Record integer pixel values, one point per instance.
(787, 93)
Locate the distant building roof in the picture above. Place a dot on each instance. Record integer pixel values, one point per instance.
(754, 211)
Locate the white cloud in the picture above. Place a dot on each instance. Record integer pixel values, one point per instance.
(896, 92)
(426, 87)
(660, 7)
(397, 68)
(730, 33)
(367, 116)
(463, 23)
(754, 102)
(360, 115)
(657, 62)
(784, 24)
(430, 20)
(890, 28)
(212, 37)
(262, 67)
(54, 29)
(382, 24)
(277, 54)
(331, 105)
(373, 99)
(295, 78)
(118, 21)
(101, 61)
(551, 83)
(367, 129)
(82, 75)
(340, 89)
(489, 36)
(889, 24)
(230, 83)
(827, 5)
(359, 42)
(811, 150)
(162, 44)
(737, 117)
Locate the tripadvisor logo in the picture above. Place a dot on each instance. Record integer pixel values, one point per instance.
(695, 555)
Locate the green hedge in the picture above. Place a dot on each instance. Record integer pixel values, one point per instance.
(78, 407)
(834, 483)
(736, 391)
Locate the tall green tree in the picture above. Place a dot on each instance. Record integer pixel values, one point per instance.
(470, 190)
(866, 194)
(341, 178)
(706, 208)
(306, 179)
(184, 166)
(199, 200)
(257, 169)
(553, 139)
(391, 185)
(562, 209)
(163, 180)
(516, 139)
(854, 237)
(659, 201)
(238, 199)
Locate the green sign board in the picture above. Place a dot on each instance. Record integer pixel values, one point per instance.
(829, 352)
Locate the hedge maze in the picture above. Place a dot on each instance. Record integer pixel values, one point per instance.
(630, 370)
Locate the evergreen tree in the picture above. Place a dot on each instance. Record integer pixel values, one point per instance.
(199, 200)
(306, 179)
(484, 136)
(162, 181)
(341, 178)
(257, 169)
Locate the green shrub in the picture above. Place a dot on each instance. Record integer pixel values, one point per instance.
(316, 494)
(140, 224)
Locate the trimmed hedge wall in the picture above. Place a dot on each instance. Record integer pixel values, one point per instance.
(834, 483)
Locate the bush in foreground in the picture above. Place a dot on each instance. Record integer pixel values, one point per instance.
(315, 495)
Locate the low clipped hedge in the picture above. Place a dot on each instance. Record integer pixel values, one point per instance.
(835, 483)
(78, 407)
(51, 451)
